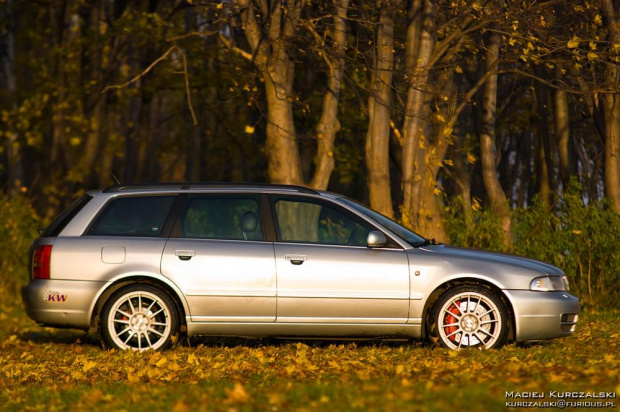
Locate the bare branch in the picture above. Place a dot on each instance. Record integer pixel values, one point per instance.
(144, 72)
(187, 89)
(236, 49)
(193, 34)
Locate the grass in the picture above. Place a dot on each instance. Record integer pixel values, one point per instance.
(50, 369)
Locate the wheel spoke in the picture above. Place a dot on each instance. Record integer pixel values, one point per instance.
(480, 339)
(146, 335)
(488, 321)
(453, 314)
(461, 340)
(487, 332)
(454, 333)
(456, 303)
(446, 325)
(155, 332)
(139, 341)
(156, 313)
(133, 310)
(159, 324)
(124, 322)
(130, 336)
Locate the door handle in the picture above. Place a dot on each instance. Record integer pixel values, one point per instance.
(296, 259)
(184, 254)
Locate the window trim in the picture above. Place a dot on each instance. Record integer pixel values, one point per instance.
(104, 207)
(391, 243)
(176, 232)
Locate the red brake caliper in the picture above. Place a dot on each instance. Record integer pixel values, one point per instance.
(451, 319)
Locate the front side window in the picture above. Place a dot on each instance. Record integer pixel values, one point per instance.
(133, 216)
(221, 217)
(302, 221)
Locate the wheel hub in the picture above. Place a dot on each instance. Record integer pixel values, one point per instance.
(469, 323)
(139, 322)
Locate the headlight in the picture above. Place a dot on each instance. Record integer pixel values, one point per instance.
(549, 283)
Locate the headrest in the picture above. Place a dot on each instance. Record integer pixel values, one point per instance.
(248, 222)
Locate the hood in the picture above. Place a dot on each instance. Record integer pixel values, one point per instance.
(497, 258)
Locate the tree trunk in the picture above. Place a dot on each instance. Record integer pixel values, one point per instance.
(612, 111)
(562, 135)
(420, 44)
(328, 125)
(269, 42)
(495, 192)
(379, 112)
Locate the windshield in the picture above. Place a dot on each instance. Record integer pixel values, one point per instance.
(410, 237)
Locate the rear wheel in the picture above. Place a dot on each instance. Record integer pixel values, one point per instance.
(139, 317)
(470, 316)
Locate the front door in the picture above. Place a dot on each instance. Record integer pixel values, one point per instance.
(327, 274)
(217, 257)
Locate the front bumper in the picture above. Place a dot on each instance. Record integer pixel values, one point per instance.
(60, 303)
(543, 315)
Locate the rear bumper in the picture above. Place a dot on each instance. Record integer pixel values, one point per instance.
(543, 315)
(60, 303)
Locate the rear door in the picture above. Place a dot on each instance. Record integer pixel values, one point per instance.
(218, 257)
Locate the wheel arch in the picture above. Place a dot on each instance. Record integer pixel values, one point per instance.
(450, 284)
(105, 294)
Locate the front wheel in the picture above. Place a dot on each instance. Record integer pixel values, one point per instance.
(470, 316)
(139, 317)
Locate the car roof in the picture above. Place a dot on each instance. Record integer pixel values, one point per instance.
(211, 187)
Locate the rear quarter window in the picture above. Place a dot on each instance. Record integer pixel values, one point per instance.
(63, 219)
(133, 216)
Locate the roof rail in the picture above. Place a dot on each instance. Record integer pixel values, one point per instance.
(205, 185)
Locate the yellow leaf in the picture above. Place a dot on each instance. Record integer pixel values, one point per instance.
(574, 42)
(400, 369)
(598, 20)
(249, 129)
(458, 69)
(88, 366)
(161, 362)
(592, 56)
(471, 158)
(576, 232)
(512, 41)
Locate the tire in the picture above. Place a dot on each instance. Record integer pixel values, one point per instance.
(139, 317)
(470, 316)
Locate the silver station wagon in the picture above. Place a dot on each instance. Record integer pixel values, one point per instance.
(143, 264)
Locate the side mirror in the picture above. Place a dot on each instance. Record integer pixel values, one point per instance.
(376, 239)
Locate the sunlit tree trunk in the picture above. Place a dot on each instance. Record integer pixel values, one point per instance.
(420, 44)
(328, 124)
(495, 192)
(379, 113)
(269, 42)
(612, 110)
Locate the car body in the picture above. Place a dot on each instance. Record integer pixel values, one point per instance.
(143, 263)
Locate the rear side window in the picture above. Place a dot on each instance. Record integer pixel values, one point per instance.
(65, 217)
(133, 216)
(221, 217)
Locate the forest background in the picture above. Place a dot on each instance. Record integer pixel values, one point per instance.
(479, 123)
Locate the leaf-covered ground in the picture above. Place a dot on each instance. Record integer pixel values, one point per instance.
(49, 369)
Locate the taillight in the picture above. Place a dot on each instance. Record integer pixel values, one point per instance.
(41, 262)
